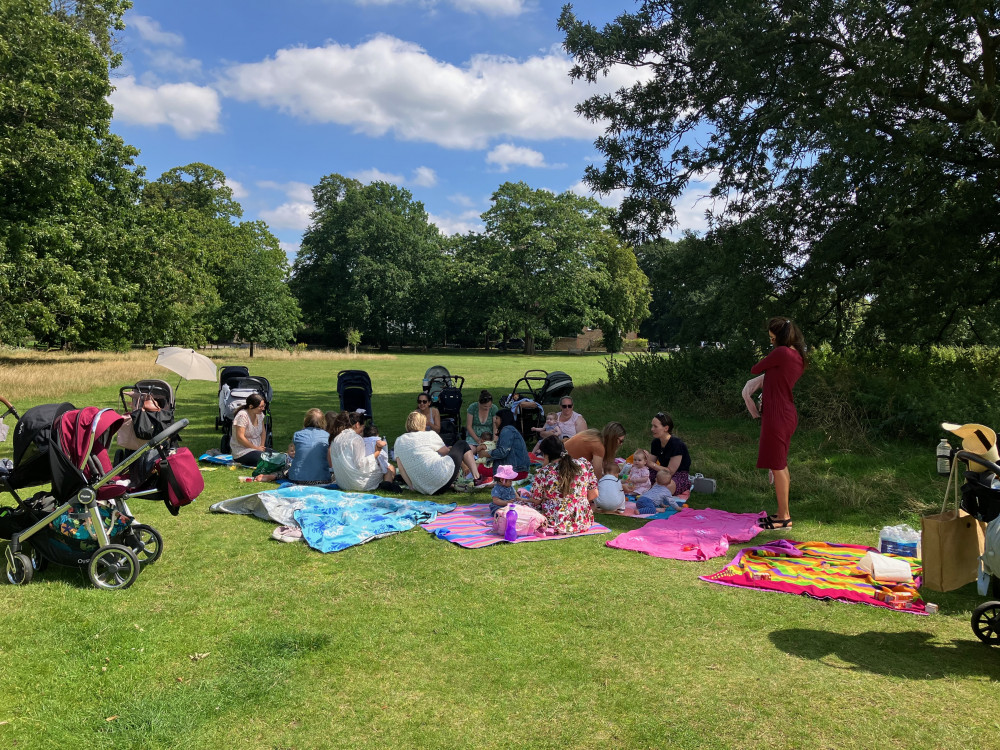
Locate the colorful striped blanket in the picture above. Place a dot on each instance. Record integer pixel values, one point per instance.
(470, 526)
(817, 569)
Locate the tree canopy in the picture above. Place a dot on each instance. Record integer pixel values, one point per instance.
(853, 148)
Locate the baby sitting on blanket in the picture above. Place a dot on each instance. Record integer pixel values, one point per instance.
(658, 497)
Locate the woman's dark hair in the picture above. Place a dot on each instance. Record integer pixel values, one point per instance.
(485, 396)
(567, 469)
(253, 401)
(354, 418)
(506, 417)
(666, 420)
(338, 424)
(786, 333)
(370, 430)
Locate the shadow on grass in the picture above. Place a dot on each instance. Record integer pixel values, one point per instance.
(910, 654)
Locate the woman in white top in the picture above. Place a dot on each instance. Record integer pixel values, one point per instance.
(352, 468)
(248, 442)
(427, 464)
(569, 422)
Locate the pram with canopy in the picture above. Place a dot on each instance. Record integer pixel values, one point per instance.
(354, 387)
(228, 376)
(445, 392)
(233, 394)
(981, 499)
(150, 406)
(535, 389)
(84, 520)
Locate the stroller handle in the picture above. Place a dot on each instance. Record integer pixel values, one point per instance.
(977, 459)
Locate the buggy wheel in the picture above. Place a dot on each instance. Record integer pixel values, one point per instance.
(986, 623)
(19, 569)
(38, 563)
(113, 567)
(146, 542)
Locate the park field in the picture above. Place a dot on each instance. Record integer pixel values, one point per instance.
(234, 640)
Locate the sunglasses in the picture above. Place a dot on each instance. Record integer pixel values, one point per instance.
(422, 401)
(565, 406)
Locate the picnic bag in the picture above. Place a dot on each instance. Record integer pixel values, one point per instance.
(529, 520)
(180, 479)
(271, 463)
(952, 542)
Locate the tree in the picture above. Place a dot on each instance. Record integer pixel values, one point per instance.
(68, 186)
(623, 292)
(365, 262)
(859, 141)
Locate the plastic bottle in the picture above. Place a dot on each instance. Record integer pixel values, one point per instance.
(944, 457)
(510, 531)
(899, 540)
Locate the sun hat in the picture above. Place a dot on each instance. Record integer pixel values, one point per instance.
(978, 439)
(505, 472)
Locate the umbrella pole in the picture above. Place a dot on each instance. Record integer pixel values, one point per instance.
(177, 387)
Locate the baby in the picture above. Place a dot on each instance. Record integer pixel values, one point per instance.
(638, 478)
(659, 495)
(610, 495)
(372, 443)
(551, 427)
(503, 488)
(486, 445)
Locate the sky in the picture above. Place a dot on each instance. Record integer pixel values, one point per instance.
(447, 98)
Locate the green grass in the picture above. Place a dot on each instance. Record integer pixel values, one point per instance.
(409, 641)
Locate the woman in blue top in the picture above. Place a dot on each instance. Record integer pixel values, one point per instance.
(511, 448)
(308, 452)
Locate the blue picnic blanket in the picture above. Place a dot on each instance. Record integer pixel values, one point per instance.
(332, 520)
(223, 459)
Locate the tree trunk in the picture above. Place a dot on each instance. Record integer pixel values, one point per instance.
(251, 349)
(529, 343)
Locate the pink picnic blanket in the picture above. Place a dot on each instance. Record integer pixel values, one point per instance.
(471, 526)
(691, 534)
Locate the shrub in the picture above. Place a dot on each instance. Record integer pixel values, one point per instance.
(636, 344)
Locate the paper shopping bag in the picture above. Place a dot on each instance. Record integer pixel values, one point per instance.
(952, 543)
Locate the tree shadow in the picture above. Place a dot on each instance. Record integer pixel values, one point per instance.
(910, 654)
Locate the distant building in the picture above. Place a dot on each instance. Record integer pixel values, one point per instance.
(585, 341)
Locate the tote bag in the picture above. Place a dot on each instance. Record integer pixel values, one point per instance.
(952, 542)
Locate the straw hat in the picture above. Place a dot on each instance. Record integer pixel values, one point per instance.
(978, 439)
(505, 472)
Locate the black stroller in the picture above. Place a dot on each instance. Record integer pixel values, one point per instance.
(151, 406)
(354, 387)
(531, 392)
(981, 498)
(233, 393)
(227, 379)
(84, 520)
(445, 391)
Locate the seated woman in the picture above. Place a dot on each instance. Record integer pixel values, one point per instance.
(308, 451)
(431, 414)
(570, 423)
(511, 448)
(670, 454)
(427, 464)
(248, 441)
(479, 418)
(563, 489)
(597, 447)
(354, 470)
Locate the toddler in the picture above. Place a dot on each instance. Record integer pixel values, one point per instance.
(610, 495)
(486, 445)
(551, 427)
(372, 443)
(638, 479)
(503, 488)
(658, 496)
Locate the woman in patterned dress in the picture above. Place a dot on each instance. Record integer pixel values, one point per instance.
(563, 489)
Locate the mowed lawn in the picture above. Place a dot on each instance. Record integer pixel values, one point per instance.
(234, 640)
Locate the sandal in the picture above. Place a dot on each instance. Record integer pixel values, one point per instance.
(770, 522)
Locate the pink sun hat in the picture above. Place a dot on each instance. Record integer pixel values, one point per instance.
(505, 472)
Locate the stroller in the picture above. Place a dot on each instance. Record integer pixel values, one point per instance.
(445, 391)
(151, 405)
(981, 498)
(531, 392)
(354, 387)
(233, 393)
(227, 379)
(84, 520)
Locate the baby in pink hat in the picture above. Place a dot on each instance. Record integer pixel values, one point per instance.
(503, 487)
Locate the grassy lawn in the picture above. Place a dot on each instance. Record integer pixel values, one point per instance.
(234, 640)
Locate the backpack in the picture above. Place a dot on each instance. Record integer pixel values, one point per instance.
(529, 520)
(180, 480)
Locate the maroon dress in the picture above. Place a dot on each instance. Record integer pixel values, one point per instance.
(781, 369)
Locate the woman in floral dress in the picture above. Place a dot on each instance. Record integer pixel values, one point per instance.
(563, 489)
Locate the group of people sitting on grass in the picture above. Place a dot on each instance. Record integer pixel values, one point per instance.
(578, 471)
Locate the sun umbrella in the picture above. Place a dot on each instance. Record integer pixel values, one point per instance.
(187, 363)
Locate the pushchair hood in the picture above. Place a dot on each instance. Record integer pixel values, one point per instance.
(32, 442)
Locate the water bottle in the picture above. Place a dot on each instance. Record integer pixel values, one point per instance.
(944, 457)
(510, 532)
(899, 540)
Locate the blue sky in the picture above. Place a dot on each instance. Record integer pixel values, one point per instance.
(447, 98)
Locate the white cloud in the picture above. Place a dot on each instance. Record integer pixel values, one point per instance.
(296, 191)
(149, 29)
(291, 249)
(612, 199)
(462, 200)
(169, 62)
(188, 108)
(295, 212)
(467, 221)
(424, 177)
(507, 154)
(488, 7)
(239, 191)
(377, 175)
(387, 85)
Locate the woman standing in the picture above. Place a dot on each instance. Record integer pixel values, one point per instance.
(511, 448)
(670, 454)
(479, 418)
(431, 414)
(781, 368)
(354, 470)
(563, 489)
(249, 440)
(597, 447)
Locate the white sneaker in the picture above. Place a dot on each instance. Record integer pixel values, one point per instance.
(287, 534)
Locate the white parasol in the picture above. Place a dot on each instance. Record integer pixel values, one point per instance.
(187, 363)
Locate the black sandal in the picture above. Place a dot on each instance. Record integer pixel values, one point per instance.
(770, 522)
